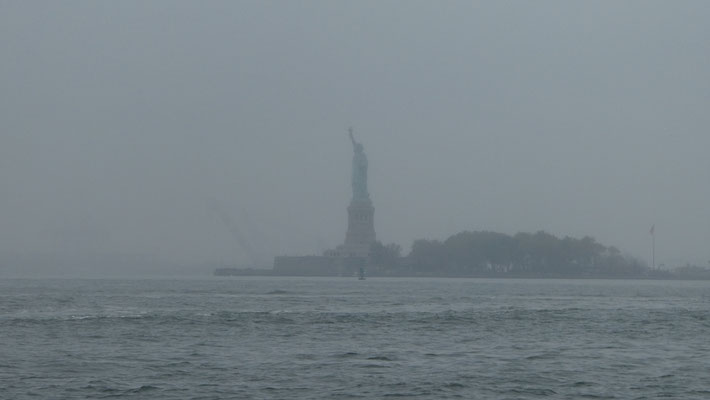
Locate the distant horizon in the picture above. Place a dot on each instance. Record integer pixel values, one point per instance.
(66, 265)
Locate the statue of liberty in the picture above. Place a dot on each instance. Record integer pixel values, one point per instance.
(359, 177)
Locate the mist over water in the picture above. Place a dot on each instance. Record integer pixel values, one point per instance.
(170, 138)
(122, 123)
(344, 338)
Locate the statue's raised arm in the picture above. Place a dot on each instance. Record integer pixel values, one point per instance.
(352, 138)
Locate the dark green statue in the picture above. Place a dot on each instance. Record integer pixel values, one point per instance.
(359, 178)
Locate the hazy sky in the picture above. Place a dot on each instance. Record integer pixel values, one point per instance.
(123, 123)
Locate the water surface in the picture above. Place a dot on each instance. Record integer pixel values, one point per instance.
(269, 337)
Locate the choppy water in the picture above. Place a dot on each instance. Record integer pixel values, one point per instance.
(339, 338)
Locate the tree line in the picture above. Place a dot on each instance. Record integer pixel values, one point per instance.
(484, 253)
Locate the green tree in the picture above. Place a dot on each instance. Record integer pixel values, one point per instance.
(486, 253)
(385, 256)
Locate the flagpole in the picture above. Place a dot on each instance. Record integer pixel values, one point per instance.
(653, 246)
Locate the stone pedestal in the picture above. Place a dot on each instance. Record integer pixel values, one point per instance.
(361, 229)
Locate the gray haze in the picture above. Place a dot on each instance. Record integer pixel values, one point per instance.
(149, 130)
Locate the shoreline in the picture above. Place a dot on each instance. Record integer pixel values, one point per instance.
(222, 272)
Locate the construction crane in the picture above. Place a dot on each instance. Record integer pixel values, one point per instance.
(233, 227)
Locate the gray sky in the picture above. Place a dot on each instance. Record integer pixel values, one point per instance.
(122, 122)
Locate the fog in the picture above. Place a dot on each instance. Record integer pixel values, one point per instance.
(190, 134)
